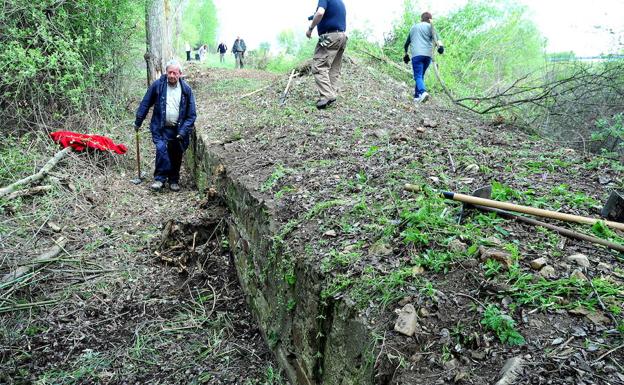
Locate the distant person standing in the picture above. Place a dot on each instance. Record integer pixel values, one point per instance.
(238, 49)
(187, 48)
(422, 39)
(222, 49)
(202, 52)
(330, 20)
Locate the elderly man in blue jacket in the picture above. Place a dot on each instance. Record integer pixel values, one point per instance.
(173, 119)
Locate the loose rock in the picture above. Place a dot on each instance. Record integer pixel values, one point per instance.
(457, 246)
(429, 123)
(498, 255)
(579, 259)
(548, 272)
(407, 322)
(538, 263)
(578, 275)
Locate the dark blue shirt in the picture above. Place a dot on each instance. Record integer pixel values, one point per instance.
(335, 18)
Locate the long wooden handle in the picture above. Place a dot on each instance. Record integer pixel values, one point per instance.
(565, 232)
(290, 78)
(138, 155)
(529, 210)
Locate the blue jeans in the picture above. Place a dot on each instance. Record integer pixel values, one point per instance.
(420, 65)
(169, 153)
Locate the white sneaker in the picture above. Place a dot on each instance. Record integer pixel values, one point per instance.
(424, 97)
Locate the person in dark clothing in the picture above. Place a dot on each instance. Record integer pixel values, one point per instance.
(222, 50)
(422, 39)
(330, 20)
(238, 49)
(173, 119)
(187, 48)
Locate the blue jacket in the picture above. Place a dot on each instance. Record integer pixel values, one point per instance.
(156, 96)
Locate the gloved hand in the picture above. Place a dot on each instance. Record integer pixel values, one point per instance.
(179, 137)
(136, 128)
(406, 58)
(440, 50)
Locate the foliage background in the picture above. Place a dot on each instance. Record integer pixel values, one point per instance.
(199, 24)
(62, 58)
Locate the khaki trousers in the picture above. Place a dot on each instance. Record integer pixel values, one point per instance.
(327, 63)
(239, 59)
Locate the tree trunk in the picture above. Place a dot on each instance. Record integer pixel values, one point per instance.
(159, 37)
(167, 37)
(154, 12)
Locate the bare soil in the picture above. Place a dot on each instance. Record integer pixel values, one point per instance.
(339, 175)
(122, 306)
(143, 292)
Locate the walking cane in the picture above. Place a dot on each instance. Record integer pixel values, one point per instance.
(139, 178)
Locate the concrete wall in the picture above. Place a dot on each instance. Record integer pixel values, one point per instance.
(315, 341)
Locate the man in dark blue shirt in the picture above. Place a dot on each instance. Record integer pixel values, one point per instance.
(331, 22)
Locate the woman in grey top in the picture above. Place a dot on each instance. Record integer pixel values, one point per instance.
(422, 39)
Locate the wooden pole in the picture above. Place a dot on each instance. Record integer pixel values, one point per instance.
(529, 210)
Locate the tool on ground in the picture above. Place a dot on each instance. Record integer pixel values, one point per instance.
(482, 192)
(285, 95)
(614, 208)
(529, 210)
(139, 177)
(485, 192)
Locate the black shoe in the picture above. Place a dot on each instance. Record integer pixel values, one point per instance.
(321, 104)
(174, 187)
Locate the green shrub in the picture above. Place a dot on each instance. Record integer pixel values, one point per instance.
(487, 44)
(58, 54)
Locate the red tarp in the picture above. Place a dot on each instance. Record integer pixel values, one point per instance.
(81, 141)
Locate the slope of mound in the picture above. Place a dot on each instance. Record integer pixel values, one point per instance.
(482, 291)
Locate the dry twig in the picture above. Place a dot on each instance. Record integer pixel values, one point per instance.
(38, 176)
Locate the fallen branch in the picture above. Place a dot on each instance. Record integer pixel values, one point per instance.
(31, 191)
(606, 354)
(24, 306)
(46, 257)
(511, 371)
(387, 61)
(38, 176)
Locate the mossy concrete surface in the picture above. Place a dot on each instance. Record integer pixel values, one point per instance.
(316, 340)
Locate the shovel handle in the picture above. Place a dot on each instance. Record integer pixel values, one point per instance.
(528, 210)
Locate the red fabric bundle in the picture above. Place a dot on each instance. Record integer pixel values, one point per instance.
(81, 141)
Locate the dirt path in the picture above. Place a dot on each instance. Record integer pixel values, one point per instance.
(122, 304)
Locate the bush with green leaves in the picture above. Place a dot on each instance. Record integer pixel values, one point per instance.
(57, 56)
(200, 24)
(610, 133)
(487, 44)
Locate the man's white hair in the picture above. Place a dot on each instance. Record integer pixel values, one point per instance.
(173, 63)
